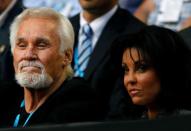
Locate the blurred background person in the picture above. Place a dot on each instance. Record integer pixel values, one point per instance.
(185, 34)
(130, 5)
(155, 73)
(99, 23)
(8, 10)
(68, 8)
(172, 14)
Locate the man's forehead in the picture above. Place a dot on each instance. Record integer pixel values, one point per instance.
(37, 26)
(45, 20)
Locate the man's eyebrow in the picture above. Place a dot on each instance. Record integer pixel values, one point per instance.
(20, 39)
(42, 39)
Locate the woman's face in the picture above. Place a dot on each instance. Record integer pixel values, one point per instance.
(140, 78)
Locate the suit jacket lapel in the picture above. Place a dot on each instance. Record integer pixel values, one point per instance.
(4, 29)
(115, 27)
(110, 32)
(76, 26)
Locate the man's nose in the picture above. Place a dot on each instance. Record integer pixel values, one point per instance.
(30, 53)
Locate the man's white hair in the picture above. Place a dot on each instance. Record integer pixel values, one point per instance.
(65, 29)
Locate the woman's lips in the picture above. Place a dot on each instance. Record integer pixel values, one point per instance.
(134, 92)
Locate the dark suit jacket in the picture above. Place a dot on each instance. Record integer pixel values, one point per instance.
(74, 101)
(100, 71)
(6, 66)
(185, 34)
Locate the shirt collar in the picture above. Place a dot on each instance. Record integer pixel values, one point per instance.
(4, 14)
(98, 24)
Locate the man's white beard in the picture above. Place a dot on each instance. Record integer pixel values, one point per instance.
(33, 80)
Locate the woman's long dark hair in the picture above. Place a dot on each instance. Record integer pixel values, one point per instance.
(170, 57)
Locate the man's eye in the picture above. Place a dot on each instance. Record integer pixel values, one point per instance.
(21, 45)
(42, 45)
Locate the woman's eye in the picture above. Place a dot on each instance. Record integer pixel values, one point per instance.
(142, 68)
(125, 69)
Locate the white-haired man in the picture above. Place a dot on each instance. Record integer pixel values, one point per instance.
(42, 43)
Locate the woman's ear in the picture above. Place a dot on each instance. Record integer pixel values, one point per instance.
(68, 55)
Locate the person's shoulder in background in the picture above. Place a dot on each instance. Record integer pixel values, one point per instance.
(185, 34)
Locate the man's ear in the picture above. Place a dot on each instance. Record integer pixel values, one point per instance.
(68, 55)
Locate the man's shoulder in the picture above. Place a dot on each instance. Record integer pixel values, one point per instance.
(73, 102)
(75, 18)
(185, 34)
(124, 21)
(75, 87)
(122, 13)
(68, 96)
(76, 82)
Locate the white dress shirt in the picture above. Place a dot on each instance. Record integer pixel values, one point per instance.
(97, 25)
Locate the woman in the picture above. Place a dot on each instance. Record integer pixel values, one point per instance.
(156, 73)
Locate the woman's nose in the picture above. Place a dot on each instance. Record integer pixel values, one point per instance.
(130, 78)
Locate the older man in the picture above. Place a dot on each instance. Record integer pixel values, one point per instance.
(41, 43)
